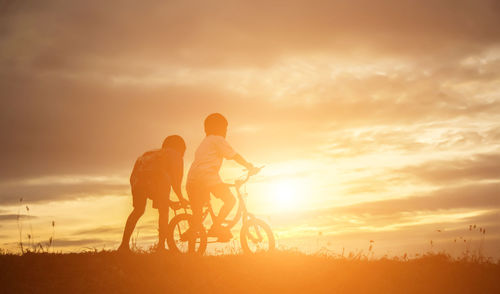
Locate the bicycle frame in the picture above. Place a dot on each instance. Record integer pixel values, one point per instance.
(241, 213)
(253, 230)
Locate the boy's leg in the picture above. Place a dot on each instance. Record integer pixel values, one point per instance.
(222, 192)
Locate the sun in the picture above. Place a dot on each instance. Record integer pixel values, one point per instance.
(285, 195)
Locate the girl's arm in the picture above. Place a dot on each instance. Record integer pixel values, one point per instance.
(176, 174)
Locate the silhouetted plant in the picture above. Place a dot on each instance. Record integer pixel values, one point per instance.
(20, 225)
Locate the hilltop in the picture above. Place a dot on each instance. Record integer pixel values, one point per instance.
(278, 272)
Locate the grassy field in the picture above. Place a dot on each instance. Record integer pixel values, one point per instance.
(278, 272)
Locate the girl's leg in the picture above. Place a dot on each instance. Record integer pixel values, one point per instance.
(162, 225)
(130, 226)
(197, 195)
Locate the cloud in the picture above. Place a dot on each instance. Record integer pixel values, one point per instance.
(58, 125)
(78, 128)
(86, 242)
(240, 32)
(10, 193)
(100, 230)
(471, 196)
(78, 99)
(487, 220)
(11, 217)
(473, 168)
(464, 202)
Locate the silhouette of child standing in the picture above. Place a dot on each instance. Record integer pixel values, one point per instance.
(154, 174)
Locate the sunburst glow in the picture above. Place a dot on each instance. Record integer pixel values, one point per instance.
(286, 195)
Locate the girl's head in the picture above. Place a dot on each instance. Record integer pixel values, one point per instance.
(216, 124)
(175, 142)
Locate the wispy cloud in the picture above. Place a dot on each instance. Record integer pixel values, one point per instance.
(474, 167)
(13, 217)
(100, 230)
(63, 188)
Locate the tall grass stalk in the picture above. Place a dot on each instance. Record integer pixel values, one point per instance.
(20, 225)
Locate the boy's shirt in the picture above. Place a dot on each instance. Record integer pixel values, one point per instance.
(165, 165)
(208, 160)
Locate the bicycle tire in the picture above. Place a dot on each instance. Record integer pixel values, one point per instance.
(173, 240)
(245, 233)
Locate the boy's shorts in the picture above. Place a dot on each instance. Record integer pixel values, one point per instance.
(199, 194)
(144, 188)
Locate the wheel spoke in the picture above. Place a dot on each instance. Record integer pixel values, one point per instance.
(257, 230)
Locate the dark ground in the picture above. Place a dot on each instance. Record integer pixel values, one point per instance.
(279, 272)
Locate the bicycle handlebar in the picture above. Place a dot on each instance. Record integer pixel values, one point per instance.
(239, 183)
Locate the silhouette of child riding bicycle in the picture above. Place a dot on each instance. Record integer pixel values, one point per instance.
(157, 171)
(255, 235)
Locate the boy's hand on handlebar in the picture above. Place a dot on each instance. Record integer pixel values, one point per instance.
(252, 170)
(249, 166)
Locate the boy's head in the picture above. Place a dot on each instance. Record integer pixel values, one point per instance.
(175, 142)
(216, 124)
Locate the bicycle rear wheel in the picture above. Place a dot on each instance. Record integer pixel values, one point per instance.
(256, 236)
(176, 228)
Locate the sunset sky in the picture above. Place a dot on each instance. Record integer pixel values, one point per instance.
(375, 120)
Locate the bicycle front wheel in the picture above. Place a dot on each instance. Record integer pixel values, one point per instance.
(179, 243)
(256, 236)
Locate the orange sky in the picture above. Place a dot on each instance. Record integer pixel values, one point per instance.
(376, 121)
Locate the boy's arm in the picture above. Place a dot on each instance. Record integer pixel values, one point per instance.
(240, 160)
(228, 152)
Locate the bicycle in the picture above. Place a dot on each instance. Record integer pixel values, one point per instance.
(255, 234)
